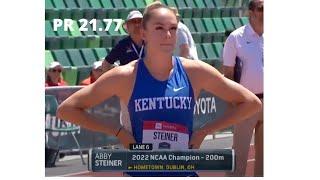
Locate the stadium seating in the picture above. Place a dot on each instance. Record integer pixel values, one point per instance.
(71, 4)
(61, 56)
(199, 26)
(49, 30)
(70, 75)
(218, 46)
(59, 4)
(227, 22)
(93, 41)
(52, 43)
(208, 23)
(48, 4)
(119, 8)
(81, 42)
(100, 52)
(67, 42)
(236, 22)
(75, 57)
(209, 50)
(107, 4)
(83, 73)
(188, 22)
(48, 58)
(83, 4)
(201, 53)
(88, 56)
(102, 13)
(208, 20)
(75, 29)
(244, 20)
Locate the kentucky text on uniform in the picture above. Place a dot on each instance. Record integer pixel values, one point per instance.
(145, 104)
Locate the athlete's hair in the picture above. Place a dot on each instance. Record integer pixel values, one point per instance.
(148, 12)
(175, 10)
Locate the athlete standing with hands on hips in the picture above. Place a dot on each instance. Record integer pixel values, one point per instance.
(160, 92)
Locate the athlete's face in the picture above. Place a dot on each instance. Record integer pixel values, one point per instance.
(160, 30)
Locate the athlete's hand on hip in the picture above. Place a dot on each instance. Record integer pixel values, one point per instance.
(126, 138)
(196, 139)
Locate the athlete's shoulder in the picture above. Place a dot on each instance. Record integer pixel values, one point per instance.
(197, 69)
(128, 69)
(190, 64)
(120, 74)
(118, 80)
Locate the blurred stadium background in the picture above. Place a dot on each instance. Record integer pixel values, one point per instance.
(210, 21)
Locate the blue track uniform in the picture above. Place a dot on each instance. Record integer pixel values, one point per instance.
(161, 112)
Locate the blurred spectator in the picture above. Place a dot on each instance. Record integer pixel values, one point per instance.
(131, 47)
(185, 46)
(95, 73)
(54, 75)
(243, 63)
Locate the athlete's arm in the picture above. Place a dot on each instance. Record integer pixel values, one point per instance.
(113, 82)
(204, 76)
